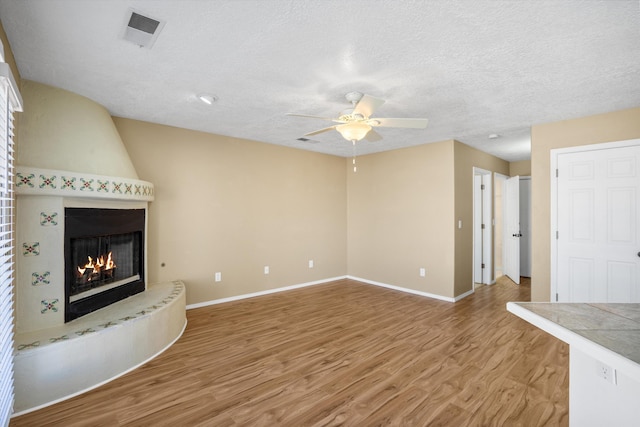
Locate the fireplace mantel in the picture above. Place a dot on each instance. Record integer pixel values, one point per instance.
(49, 182)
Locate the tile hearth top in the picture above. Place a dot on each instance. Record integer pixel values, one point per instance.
(115, 315)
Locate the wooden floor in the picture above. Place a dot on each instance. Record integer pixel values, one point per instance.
(342, 353)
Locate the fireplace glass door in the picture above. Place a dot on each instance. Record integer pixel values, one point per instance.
(104, 262)
(104, 257)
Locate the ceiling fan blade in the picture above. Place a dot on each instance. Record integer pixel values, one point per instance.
(399, 123)
(320, 131)
(373, 136)
(313, 117)
(367, 105)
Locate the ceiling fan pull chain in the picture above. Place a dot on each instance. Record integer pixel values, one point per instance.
(355, 169)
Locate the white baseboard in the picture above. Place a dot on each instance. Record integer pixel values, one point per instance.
(257, 294)
(409, 291)
(332, 279)
(466, 294)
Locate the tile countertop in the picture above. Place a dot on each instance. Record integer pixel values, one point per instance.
(608, 332)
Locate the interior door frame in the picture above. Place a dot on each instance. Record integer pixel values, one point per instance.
(487, 217)
(553, 229)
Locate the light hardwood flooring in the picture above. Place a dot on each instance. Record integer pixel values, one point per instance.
(343, 353)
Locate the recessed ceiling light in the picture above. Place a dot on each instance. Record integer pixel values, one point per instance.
(207, 99)
(494, 136)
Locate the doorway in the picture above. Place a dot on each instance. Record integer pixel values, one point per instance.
(482, 227)
(516, 226)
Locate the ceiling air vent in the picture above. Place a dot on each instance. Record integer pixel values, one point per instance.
(310, 141)
(142, 30)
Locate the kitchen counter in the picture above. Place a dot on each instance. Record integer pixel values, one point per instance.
(604, 343)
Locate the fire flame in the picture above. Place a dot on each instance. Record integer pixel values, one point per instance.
(100, 264)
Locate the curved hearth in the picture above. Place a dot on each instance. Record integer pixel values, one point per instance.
(58, 363)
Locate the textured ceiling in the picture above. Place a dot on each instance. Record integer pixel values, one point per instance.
(472, 68)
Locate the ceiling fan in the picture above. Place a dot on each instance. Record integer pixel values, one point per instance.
(356, 123)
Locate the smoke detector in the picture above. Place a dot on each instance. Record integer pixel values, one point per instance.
(142, 29)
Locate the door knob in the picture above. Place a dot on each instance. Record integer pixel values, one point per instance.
(520, 235)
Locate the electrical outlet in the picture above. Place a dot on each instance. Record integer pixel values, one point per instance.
(606, 372)
(266, 269)
(423, 272)
(310, 263)
(218, 277)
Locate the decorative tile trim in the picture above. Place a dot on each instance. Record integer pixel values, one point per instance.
(24, 180)
(103, 186)
(48, 181)
(108, 324)
(68, 183)
(48, 219)
(86, 184)
(117, 187)
(38, 279)
(31, 249)
(74, 184)
(30, 345)
(61, 338)
(49, 305)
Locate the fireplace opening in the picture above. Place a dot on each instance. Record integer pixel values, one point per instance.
(104, 258)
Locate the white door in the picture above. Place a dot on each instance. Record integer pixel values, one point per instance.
(512, 228)
(598, 201)
(498, 226)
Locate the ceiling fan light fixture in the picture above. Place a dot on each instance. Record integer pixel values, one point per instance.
(353, 131)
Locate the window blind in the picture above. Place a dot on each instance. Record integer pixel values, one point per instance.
(9, 101)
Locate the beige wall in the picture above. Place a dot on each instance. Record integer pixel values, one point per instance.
(609, 127)
(57, 122)
(466, 158)
(400, 218)
(234, 206)
(521, 168)
(403, 211)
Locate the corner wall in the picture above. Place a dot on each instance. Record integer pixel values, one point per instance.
(234, 206)
(399, 218)
(608, 127)
(520, 168)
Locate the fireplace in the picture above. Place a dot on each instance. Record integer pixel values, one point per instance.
(104, 257)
